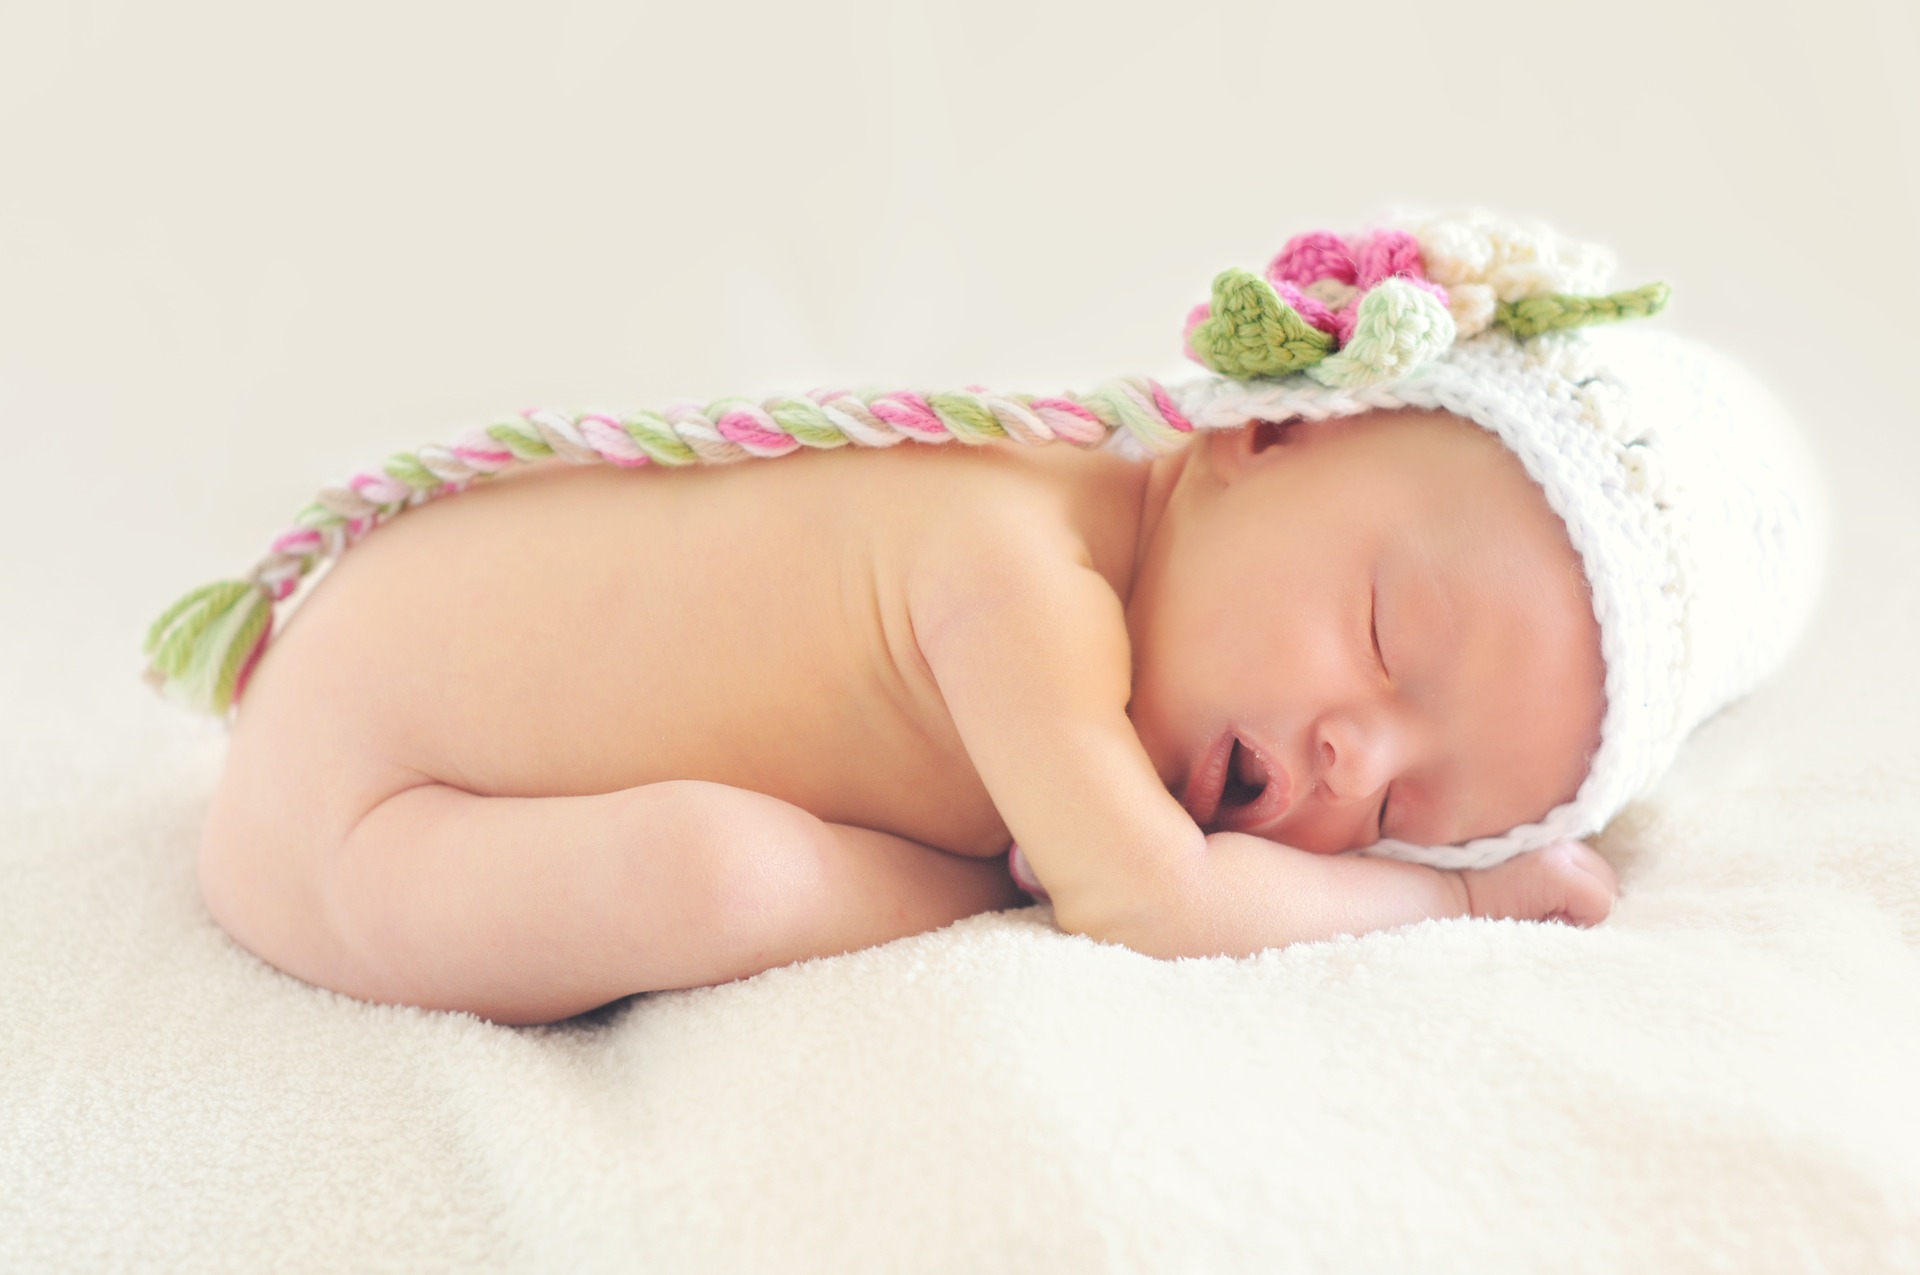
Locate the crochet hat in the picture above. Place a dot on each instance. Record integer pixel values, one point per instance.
(1691, 499)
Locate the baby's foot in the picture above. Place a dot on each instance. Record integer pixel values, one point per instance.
(1565, 882)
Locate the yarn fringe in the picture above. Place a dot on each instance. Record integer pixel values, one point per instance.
(202, 647)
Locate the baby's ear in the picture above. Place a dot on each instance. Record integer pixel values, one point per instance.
(1253, 445)
(1267, 434)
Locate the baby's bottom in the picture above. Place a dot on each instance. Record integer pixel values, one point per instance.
(534, 909)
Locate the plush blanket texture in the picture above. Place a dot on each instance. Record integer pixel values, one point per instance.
(1721, 1077)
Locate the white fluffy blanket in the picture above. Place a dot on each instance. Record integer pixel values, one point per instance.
(1722, 1077)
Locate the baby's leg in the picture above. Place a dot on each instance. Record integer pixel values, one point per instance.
(533, 909)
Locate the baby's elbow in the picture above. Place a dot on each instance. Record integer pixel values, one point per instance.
(1138, 934)
(1075, 914)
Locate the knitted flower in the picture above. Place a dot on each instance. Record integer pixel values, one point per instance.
(1483, 260)
(1349, 311)
(1352, 311)
(1324, 276)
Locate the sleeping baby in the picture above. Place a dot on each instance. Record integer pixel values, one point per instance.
(1375, 623)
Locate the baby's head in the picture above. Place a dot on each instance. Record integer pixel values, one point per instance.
(1386, 613)
(1433, 553)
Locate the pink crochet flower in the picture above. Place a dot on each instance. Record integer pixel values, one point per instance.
(1323, 276)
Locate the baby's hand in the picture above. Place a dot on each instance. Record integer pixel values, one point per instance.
(1565, 882)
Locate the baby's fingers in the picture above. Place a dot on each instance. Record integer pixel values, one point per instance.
(1564, 882)
(1585, 882)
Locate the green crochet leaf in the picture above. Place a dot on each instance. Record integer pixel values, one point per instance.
(1530, 316)
(1251, 332)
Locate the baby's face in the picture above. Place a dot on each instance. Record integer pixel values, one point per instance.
(1386, 613)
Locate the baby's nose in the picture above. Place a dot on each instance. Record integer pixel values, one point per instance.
(1355, 760)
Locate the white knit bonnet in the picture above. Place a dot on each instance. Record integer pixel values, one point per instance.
(1692, 500)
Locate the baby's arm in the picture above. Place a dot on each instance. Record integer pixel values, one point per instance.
(1033, 660)
(1031, 655)
(1253, 894)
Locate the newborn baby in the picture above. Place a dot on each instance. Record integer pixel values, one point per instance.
(586, 732)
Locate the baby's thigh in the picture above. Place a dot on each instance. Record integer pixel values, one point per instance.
(297, 777)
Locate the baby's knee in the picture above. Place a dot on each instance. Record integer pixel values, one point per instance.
(740, 861)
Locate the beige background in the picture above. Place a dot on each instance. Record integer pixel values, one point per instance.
(245, 249)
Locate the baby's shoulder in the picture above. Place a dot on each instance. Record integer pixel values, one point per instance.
(995, 526)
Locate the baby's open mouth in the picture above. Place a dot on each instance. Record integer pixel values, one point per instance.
(1246, 778)
(1232, 788)
(1252, 797)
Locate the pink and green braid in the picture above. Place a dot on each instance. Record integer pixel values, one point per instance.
(202, 648)
(1341, 314)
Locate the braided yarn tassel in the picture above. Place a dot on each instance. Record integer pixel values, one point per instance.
(203, 647)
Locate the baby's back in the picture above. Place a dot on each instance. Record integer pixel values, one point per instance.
(567, 630)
